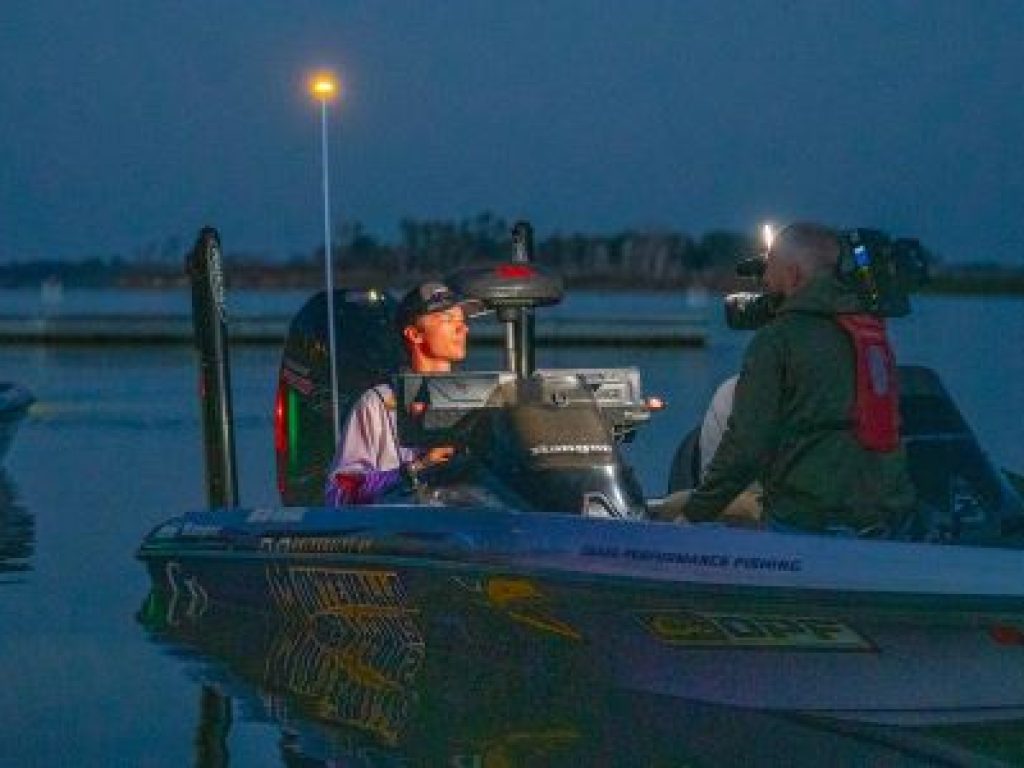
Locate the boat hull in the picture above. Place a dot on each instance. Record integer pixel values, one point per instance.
(871, 631)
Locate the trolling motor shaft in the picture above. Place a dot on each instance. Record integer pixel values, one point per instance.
(520, 337)
(209, 318)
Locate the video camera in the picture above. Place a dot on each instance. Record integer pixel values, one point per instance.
(881, 270)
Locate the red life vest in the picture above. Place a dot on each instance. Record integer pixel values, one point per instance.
(876, 407)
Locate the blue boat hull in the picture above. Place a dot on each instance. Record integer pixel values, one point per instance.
(871, 631)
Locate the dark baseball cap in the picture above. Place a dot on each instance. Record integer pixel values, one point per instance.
(430, 297)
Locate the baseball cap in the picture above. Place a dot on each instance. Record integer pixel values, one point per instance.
(430, 297)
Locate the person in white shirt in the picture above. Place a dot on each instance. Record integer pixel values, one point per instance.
(431, 319)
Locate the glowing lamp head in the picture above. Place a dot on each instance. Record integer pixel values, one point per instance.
(324, 86)
(767, 236)
(655, 403)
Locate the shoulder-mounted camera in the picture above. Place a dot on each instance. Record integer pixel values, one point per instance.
(882, 271)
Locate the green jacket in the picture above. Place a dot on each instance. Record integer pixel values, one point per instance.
(790, 427)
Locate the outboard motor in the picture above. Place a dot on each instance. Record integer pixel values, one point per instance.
(368, 353)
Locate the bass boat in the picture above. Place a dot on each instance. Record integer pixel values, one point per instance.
(539, 520)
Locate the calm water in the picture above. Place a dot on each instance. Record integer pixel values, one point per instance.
(112, 447)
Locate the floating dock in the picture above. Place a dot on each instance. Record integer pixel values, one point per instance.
(678, 330)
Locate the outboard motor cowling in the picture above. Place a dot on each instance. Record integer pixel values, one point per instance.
(368, 353)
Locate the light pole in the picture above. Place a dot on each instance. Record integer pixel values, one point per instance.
(324, 87)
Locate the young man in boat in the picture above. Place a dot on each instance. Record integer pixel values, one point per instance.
(431, 320)
(814, 418)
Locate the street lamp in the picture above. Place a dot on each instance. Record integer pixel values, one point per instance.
(324, 88)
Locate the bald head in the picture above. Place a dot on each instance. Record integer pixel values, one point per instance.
(800, 253)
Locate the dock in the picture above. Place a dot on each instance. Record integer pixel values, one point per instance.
(680, 330)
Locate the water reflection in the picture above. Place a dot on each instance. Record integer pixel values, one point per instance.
(351, 668)
(17, 533)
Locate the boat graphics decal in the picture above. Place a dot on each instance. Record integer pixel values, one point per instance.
(523, 602)
(297, 381)
(693, 629)
(353, 643)
(188, 599)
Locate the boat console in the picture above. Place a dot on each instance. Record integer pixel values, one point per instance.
(543, 440)
(435, 409)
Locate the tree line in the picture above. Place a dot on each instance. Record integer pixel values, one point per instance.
(430, 248)
(628, 258)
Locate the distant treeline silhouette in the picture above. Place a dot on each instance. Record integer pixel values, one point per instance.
(426, 248)
(628, 258)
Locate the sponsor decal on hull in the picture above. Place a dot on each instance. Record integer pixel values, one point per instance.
(691, 629)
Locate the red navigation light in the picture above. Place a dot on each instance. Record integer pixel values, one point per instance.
(511, 271)
(417, 408)
(281, 437)
(280, 425)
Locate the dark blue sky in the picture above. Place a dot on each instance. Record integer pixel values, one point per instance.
(126, 123)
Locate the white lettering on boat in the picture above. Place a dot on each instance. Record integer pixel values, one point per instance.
(699, 559)
(276, 515)
(168, 531)
(317, 544)
(196, 529)
(768, 563)
(586, 448)
(684, 558)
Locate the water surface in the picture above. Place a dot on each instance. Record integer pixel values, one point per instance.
(113, 447)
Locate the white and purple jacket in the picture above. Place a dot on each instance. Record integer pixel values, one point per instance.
(368, 458)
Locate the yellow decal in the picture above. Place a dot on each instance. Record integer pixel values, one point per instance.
(735, 630)
(522, 601)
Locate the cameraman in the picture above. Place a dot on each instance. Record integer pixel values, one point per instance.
(814, 416)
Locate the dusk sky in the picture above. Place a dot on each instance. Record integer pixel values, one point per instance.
(128, 123)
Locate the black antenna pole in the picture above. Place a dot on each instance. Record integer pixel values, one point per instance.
(209, 318)
(522, 326)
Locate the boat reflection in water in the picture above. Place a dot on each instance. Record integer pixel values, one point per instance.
(15, 401)
(369, 665)
(17, 533)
